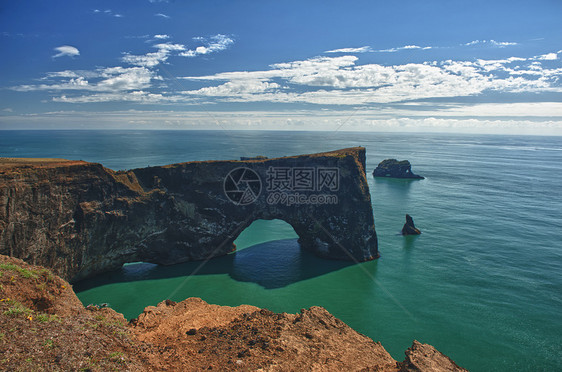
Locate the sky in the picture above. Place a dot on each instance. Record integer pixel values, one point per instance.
(400, 66)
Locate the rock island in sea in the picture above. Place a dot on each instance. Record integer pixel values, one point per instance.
(395, 169)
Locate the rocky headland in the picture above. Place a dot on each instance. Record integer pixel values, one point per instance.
(44, 327)
(80, 219)
(395, 169)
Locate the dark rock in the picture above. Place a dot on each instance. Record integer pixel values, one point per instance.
(191, 332)
(80, 219)
(259, 157)
(409, 228)
(395, 169)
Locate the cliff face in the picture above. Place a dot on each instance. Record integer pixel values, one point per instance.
(80, 219)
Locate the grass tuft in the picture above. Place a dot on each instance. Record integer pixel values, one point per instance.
(47, 318)
(26, 273)
(16, 308)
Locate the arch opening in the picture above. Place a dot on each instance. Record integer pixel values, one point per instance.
(263, 231)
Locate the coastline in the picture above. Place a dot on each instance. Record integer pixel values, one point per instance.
(48, 328)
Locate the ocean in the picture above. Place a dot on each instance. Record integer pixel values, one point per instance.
(482, 283)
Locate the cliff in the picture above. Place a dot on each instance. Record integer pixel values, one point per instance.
(45, 327)
(80, 219)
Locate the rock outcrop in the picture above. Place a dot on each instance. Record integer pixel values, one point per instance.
(409, 228)
(395, 169)
(190, 335)
(80, 219)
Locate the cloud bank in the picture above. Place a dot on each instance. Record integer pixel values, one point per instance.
(378, 96)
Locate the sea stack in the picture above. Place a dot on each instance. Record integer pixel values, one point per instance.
(409, 227)
(395, 169)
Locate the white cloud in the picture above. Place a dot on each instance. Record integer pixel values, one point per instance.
(162, 15)
(339, 81)
(110, 83)
(364, 49)
(500, 44)
(362, 120)
(235, 88)
(113, 79)
(511, 110)
(66, 51)
(134, 96)
(216, 43)
(8, 109)
(405, 47)
(548, 57)
(109, 12)
(152, 59)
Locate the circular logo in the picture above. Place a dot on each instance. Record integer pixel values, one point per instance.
(242, 186)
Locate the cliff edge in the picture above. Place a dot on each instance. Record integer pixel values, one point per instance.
(45, 327)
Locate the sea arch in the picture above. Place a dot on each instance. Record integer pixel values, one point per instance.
(181, 212)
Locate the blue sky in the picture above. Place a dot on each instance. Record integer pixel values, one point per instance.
(461, 66)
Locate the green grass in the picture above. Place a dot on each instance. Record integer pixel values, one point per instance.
(16, 308)
(47, 318)
(49, 343)
(26, 273)
(116, 356)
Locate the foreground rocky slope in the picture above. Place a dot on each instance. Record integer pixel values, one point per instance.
(44, 327)
(80, 219)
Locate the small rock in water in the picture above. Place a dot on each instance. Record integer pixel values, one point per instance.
(409, 227)
(395, 169)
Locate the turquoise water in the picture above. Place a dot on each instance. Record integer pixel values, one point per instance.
(482, 283)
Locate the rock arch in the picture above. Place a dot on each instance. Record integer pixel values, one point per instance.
(81, 219)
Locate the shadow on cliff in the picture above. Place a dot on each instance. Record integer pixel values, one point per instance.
(274, 264)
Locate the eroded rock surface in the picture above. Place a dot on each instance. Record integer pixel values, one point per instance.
(425, 358)
(81, 219)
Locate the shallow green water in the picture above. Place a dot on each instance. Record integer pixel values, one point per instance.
(482, 283)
